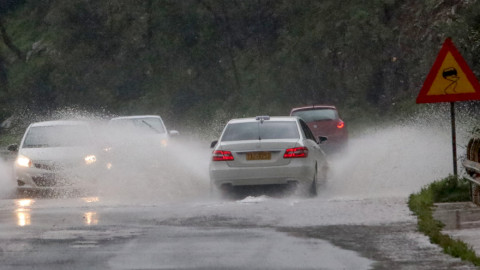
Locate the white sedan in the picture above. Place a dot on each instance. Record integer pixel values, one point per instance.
(55, 154)
(267, 151)
(141, 131)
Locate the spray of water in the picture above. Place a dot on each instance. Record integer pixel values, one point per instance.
(396, 160)
(393, 160)
(6, 179)
(176, 172)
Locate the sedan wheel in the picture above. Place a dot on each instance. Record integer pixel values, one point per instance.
(313, 186)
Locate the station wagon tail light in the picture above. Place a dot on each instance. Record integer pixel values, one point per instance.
(340, 124)
(220, 155)
(297, 152)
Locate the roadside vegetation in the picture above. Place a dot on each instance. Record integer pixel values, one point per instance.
(199, 63)
(450, 189)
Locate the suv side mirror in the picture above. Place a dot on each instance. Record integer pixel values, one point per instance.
(212, 145)
(322, 139)
(173, 132)
(12, 148)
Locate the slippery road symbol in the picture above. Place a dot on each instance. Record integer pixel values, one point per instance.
(450, 79)
(450, 74)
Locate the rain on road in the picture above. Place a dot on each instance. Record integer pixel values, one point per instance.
(359, 220)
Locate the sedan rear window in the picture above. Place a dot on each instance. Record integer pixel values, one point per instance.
(316, 115)
(259, 131)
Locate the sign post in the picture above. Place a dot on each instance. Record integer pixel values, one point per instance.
(454, 138)
(450, 80)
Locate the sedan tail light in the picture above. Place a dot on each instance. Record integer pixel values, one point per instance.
(297, 152)
(220, 155)
(340, 124)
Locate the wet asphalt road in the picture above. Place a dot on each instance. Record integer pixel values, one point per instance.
(360, 219)
(253, 233)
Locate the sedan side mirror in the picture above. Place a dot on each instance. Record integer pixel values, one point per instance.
(12, 148)
(212, 145)
(322, 139)
(174, 133)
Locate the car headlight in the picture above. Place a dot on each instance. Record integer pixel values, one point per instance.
(90, 159)
(164, 142)
(24, 161)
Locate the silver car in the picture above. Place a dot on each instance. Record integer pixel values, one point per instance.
(141, 130)
(138, 142)
(267, 151)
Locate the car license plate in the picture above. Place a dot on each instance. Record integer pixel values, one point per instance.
(259, 156)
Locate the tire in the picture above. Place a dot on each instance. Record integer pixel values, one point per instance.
(469, 149)
(313, 187)
(222, 193)
(474, 149)
(322, 180)
(211, 190)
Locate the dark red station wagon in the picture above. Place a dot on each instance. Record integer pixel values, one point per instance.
(324, 120)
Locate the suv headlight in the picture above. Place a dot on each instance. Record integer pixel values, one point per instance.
(90, 159)
(24, 161)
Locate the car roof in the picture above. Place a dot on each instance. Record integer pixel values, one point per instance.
(273, 118)
(311, 107)
(135, 117)
(59, 123)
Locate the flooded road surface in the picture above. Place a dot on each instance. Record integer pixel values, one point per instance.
(254, 233)
(359, 220)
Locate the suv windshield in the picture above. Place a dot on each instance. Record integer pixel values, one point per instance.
(57, 136)
(151, 125)
(316, 114)
(258, 131)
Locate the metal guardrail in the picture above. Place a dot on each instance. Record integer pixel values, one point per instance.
(473, 175)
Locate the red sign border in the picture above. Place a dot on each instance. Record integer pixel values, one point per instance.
(448, 47)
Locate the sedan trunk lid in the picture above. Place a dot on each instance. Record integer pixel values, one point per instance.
(258, 153)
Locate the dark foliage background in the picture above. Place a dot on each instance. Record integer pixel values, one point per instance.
(197, 62)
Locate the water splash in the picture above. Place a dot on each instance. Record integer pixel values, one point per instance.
(6, 179)
(394, 161)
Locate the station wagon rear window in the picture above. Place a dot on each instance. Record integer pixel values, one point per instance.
(316, 115)
(258, 131)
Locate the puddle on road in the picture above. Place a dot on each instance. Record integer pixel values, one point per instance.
(185, 248)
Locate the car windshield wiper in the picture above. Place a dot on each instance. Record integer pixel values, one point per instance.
(36, 145)
(150, 126)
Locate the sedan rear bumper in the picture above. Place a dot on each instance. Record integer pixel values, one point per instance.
(222, 174)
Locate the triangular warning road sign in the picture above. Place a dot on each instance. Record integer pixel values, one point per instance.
(450, 78)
